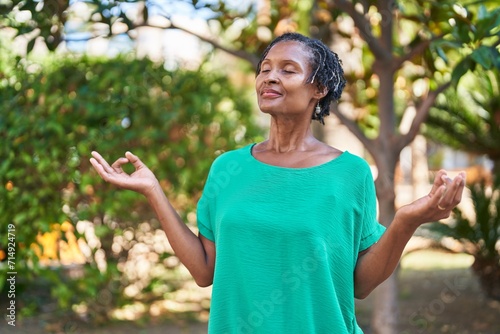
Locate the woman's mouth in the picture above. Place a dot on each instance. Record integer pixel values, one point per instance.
(269, 93)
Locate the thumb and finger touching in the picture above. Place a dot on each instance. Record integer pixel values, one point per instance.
(134, 160)
(449, 194)
(107, 172)
(117, 165)
(444, 195)
(439, 180)
(137, 181)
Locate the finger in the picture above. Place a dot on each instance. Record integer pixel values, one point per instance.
(453, 193)
(438, 181)
(95, 164)
(134, 160)
(460, 181)
(100, 169)
(438, 201)
(447, 182)
(117, 165)
(440, 174)
(102, 162)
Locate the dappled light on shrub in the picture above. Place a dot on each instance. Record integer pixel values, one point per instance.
(58, 246)
(110, 252)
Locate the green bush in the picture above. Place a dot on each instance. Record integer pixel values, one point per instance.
(53, 114)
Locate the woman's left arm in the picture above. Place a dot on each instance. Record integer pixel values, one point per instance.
(377, 263)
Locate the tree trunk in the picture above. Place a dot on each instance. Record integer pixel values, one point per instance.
(488, 272)
(384, 317)
(420, 167)
(386, 154)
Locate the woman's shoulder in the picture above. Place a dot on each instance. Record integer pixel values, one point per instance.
(356, 159)
(346, 155)
(351, 162)
(232, 157)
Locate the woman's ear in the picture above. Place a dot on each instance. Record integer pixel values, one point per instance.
(320, 92)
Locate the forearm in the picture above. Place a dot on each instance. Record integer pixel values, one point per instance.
(382, 258)
(186, 245)
(378, 263)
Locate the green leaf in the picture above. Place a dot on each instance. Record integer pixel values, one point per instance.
(31, 45)
(462, 67)
(442, 54)
(483, 56)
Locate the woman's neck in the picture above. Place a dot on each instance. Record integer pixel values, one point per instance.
(287, 135)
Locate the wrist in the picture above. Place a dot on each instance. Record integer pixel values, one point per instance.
(404, 223)
(153, 190)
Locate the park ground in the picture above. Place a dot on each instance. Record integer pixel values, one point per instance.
(438, 294)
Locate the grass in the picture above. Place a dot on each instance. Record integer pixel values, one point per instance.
(438, 294)
(435, 260)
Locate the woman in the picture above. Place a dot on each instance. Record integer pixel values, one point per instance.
(288, 230)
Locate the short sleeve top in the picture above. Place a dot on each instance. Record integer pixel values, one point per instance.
(287, 242)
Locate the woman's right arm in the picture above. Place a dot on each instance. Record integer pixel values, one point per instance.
(197, 253)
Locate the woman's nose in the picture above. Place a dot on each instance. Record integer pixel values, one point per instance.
(271, 77)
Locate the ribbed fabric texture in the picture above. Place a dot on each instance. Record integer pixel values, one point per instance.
(287, 241)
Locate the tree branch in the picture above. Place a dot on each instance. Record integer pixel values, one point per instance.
(251, 58)
(365, 29)
(351, 126)
(416, 50)
(420, 116)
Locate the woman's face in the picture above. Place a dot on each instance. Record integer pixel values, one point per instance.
(281, 84)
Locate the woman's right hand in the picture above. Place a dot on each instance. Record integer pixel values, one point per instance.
(142, 180)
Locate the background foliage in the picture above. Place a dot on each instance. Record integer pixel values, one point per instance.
(53, 114)
(468, 119)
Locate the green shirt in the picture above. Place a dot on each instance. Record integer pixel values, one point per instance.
(287, 241)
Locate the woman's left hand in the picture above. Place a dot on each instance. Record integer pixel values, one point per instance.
(438, 204)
